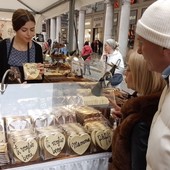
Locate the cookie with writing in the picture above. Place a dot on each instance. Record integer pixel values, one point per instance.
(25, 150)
(80, 143)
(104, 138)
(31, 71)
(54, 143)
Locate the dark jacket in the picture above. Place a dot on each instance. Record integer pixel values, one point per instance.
(131, 136)
(3, 57)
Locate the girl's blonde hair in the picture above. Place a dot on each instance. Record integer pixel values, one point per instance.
(145, 81)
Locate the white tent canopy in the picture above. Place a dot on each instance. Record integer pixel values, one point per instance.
(46, 8)
(36, 6)
(42, 9)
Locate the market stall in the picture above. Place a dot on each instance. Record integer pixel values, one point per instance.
(33, 118)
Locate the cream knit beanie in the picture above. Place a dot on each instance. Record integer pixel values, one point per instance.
(154, 24)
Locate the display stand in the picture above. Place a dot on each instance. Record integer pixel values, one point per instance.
(43, 97)
(97, 161)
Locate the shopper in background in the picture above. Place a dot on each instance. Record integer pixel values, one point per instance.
(130, 138)
(64, 50)
(153, 31)
(110, 56)
(97, 46)
(21, 49)
(46, 47)
(86, 55)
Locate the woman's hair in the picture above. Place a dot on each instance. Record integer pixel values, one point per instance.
(49, 41)
(20, 17)
(86, 43)
(145, 81)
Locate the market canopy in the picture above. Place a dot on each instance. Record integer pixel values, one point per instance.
(47, 8)
(36, 6)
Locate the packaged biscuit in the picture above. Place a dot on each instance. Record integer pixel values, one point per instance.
(31, 71)
(52, 142)
(78, 140)
(23, 146)
(101, 135)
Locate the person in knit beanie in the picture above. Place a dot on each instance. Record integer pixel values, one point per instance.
(153, 31)
(111, 55)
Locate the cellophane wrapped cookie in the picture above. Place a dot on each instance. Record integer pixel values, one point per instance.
(31, 71)
(4, 157)
(17, 123)
(64, 115)
(42, 119)
(23, 146)
(86, 112)
(52, 142)
(22, 140)
(78, 140)
(101, 134)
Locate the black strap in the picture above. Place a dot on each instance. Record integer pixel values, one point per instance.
(106, 58)
(10, 49)
(28, 53)
(167, 80)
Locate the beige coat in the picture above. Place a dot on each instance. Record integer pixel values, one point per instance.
(158, 153)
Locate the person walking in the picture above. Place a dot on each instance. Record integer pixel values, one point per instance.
(153, 32)
(46, 47)
(86, 55)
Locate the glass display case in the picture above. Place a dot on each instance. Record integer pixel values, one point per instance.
(18, 99)
(26, 99)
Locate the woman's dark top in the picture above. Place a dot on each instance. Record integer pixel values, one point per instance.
(9, 57)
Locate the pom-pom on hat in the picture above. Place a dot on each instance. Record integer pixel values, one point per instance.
(112, 43)
(154, 24)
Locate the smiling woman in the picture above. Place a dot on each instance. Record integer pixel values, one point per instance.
(20, 49)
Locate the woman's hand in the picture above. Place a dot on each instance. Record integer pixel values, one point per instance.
(40, 67)
(112, 99)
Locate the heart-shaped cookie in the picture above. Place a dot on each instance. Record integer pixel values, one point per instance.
(93, 136)
(104, 138)
(31, 71)
(54, 143)
(80, 143)
(25, 150)
(2, 137)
